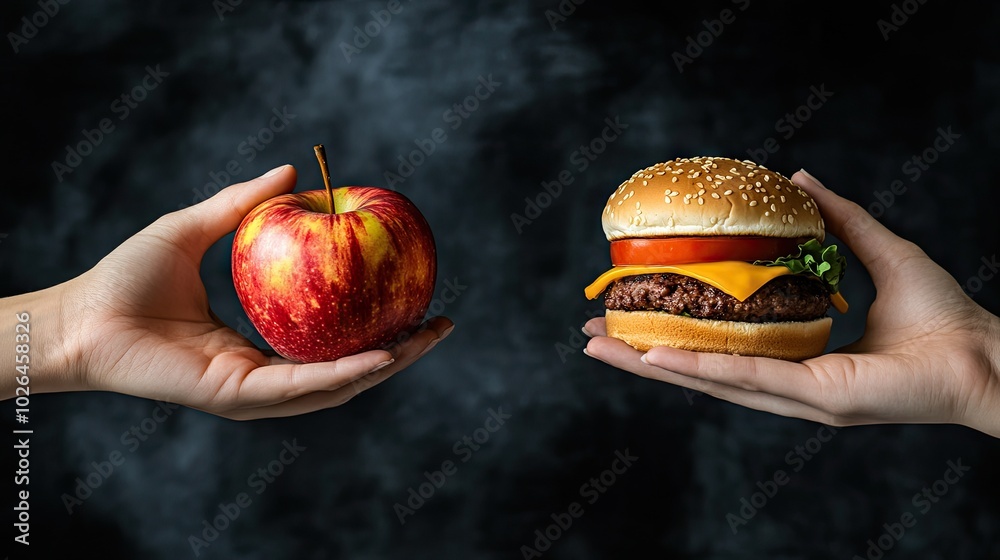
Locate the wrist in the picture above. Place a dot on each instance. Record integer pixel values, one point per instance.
(40, 351)
(989, 417)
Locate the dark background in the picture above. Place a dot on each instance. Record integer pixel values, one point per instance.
(697, 456)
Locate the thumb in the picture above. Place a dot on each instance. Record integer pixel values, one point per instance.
(206, 222)
(873, 244)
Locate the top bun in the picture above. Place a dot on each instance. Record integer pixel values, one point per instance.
(710, 196)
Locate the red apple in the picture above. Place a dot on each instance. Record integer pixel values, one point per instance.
(319, 285)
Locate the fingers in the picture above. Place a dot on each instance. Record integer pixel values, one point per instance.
(595, 327)
(283, 381)
(210, 220)
(790, 380)
(623, 356)
(405, 353)
(872, 242)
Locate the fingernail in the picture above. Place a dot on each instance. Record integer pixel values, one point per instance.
(643, 359)
(587, 353)
(811, 178)
(274, 171)
(447, 332)
(381, 365)
(585, 331)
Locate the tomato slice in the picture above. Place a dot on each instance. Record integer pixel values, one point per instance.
(686, 250)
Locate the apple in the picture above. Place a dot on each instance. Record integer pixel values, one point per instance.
(323, 275)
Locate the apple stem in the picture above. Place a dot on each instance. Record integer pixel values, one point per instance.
(321, 156)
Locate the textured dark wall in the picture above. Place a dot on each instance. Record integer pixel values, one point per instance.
(523, 294)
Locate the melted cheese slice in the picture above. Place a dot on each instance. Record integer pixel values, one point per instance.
(737, 278)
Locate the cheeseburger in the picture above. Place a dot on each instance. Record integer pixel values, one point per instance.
(718, 255)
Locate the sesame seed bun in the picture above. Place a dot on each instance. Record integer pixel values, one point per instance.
(786, 340)
(708, 196)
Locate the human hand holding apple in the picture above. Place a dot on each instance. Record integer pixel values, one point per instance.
(140, 323)
(324, 275)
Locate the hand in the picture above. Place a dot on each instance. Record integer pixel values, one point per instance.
(929, 353)
(146, 329)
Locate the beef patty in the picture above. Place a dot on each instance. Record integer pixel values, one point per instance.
(786, 298)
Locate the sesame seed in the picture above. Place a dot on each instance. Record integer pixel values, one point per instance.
(782, 198)
(753, 203)
(673, 179)
(745, 197)
(784, 218)
(767, 213)
(795, 211)
(716, 195)
(644, 183)
(695, 174)
(767, 177)
(774, 208)
(667, 200)
(637, 205)
(757, 183)
(687, 201)
(701, 200)
(728, 192)
(791, 218)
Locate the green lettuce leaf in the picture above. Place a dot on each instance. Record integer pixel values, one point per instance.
(823, 262)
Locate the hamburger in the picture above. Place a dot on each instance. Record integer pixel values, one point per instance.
(718, 255)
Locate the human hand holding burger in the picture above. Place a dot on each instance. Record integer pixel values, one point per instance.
(929, 353)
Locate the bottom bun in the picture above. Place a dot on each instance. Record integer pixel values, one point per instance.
(790, 340)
